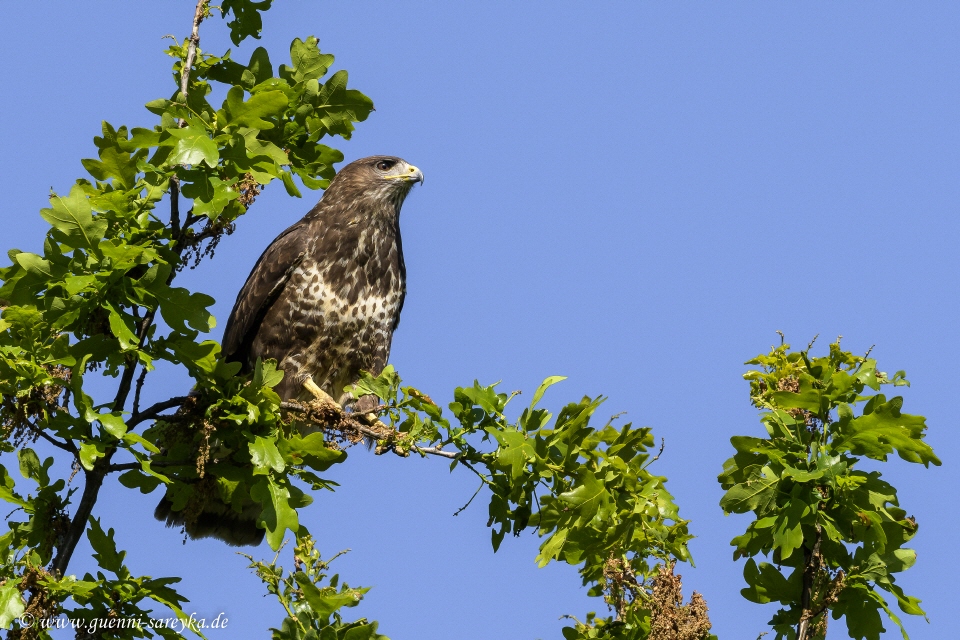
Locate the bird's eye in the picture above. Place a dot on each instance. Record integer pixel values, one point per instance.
(385, 165)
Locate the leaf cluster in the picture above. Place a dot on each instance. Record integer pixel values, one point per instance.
(835, 533)
(313, 600)
(586, 491)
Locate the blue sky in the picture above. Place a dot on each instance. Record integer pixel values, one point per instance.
(634, 195)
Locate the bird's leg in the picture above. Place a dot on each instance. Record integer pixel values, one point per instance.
(317, 392)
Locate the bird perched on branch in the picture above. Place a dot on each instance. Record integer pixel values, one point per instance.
(323, 301)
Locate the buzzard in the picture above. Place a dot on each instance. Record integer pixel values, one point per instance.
(323, 301)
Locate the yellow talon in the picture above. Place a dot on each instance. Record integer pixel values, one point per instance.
(317, 392)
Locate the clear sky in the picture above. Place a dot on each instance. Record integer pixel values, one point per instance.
(634, 195)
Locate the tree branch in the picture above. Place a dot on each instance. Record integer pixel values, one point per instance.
(136, 393)
(436, 451)
(154, 411)
(198, 15)
(66, 445)
(349, 422)
(127, 466)
(91, 488)
(811, 571)
(175, 207)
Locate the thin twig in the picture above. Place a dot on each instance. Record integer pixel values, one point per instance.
(475, 493)
(378, 434)
(66, 445)
(191, 53)
(472, 468)
(663, 443)
(811, 569)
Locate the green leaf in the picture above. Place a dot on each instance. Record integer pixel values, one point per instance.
(180, 308)
(516, 451)
(324, 605)
(260, 67)
(213, 196)
(246, 20)
(287, 178)
(788, 535)
(120, 326)
(552, 547)
(265, 456)
(546, 384)
(266, 104)
(72, 215)
(308, 62)
(766, 584)
(113, 423)
(311, 450)
(193, 146)
(31, 468)
(103, 544)
(7, 493)
(134, 479)
(89, 453)
(11, 604)
(757, 494)
(277, 515)
(587, 496)
(883, 429)
(266, 374)
(37, 266)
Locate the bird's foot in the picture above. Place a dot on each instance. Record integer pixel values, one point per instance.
(318, 393)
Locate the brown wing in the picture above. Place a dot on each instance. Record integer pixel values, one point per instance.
(262, 288)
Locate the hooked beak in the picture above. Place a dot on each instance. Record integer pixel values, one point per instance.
(412, 174)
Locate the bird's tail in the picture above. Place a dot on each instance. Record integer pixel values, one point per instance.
(216, 520)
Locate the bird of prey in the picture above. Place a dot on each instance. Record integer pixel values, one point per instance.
(323, 301)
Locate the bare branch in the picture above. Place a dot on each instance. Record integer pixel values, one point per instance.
(436, 451)
(66, 445)
(153, 412)
(198, 16)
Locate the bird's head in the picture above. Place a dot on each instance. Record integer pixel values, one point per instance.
(375, 186)
(378, 181)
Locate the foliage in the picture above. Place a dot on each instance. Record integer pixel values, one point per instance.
(588, 491)
(312, 601)
(835, 533)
